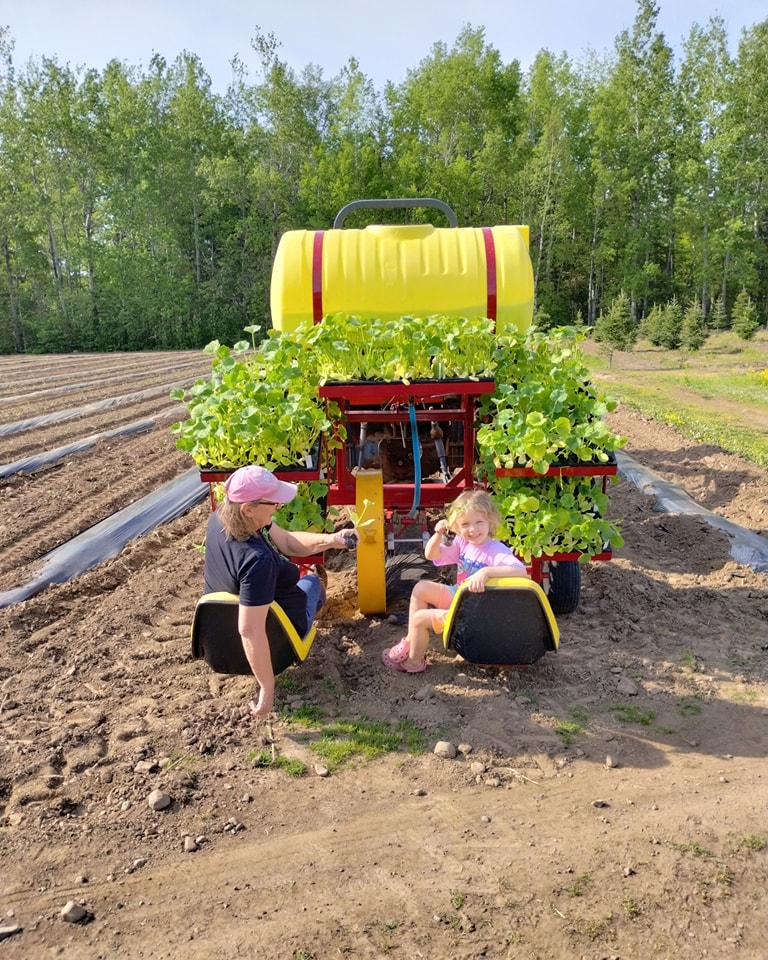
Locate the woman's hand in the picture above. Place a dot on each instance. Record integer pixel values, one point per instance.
(346, 539)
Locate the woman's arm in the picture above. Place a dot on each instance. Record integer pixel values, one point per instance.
(299, 543)
(252, 624)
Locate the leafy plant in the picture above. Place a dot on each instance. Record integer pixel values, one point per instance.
(252, 409)
(544, 409)
(261, 405)
(346, 348)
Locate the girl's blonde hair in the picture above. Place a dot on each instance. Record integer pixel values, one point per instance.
(479, 500)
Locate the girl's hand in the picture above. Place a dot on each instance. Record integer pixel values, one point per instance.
(441, 526)
(476, 583)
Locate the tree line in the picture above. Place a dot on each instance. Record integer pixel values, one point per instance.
(139, 209)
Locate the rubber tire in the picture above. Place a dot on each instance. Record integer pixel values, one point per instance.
(564, 586)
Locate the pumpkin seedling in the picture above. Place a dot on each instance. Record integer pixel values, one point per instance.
(352, 538)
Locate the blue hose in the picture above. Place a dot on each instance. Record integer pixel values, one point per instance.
(416, 460)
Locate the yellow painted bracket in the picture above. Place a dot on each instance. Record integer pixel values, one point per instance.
(371, 550)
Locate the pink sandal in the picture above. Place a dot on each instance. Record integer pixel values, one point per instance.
(402, 665)
(400, 651)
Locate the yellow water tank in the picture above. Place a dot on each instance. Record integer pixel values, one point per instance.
(414, 270)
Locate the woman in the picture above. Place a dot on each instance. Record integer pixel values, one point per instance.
(246, 553)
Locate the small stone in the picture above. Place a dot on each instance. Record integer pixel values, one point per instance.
(724, 780)
(465, 749)
(445, 749)
(190, 845)
(73, 912)
(485, 819)
(146, 766)
(476, 767)
(8, 930)
(629, 871)
(628, 687)
(600, 803)
(493, 782)
(158, 800)
(419, 792)
(611, 763)
(322, 771)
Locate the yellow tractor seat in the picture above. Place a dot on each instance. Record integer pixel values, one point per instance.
(216, 638)
(509, 624)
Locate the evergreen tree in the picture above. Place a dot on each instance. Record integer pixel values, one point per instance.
(670, 333)
(652, 326)
(692, 333)
(718, 318)
(744, 321)
(616, 328)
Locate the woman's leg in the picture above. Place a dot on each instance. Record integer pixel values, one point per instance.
(313, 587)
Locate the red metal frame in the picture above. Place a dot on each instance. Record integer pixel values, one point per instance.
(371, 402)
(356, 402)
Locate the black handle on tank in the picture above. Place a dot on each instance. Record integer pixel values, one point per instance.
(453, 220)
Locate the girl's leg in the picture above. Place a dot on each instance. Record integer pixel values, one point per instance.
(426, 595)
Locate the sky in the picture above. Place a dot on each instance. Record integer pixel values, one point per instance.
(387, 38)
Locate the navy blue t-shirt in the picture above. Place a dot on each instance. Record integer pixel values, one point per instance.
(255, 571)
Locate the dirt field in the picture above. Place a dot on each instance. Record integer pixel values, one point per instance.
(608, 802)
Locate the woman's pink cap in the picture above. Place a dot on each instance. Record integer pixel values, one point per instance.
(257, 483)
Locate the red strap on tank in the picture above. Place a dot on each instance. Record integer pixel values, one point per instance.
(490, 270)
(317, 276)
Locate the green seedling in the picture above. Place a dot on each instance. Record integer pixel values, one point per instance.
(359, 523)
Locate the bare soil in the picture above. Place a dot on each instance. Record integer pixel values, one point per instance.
(607, 802)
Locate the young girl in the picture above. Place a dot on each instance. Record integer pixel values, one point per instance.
(474, 518)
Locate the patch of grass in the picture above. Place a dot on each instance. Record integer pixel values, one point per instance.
(725, 876)
(593, 928)
(629, 714)
(631, 907)
(744, 695)
(343, 740)
(752, 843)
(688, 708)
(265, 758)
(580, 885)
(306, 715)
(289, 682)
(689, 662)
(568, 730)
(693, 847)
(458, 899)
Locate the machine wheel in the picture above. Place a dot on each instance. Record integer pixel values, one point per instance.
(371, 551)
(564, 585)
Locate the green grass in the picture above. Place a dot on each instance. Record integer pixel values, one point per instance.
(628, 714)
(290, 765)
(568, 730)
(340, 741)
(683, 389)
